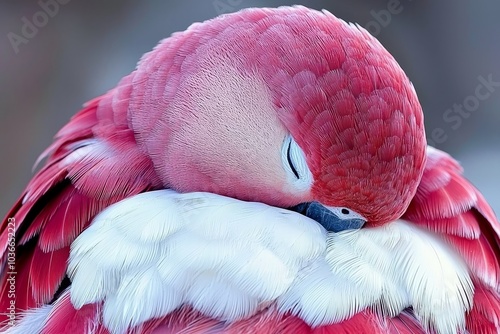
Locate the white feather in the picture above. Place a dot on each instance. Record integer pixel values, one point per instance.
(81, 150)
(163, 249)
(220, 298)
(416, 269)
(149, 254)
(31, 321)
(388, 269)
(144, 287)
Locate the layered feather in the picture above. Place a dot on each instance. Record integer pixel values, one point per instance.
(447, 204)
(144, 268)
(229, 260)
(87, 169)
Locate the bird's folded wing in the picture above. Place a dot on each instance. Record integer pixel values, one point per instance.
(82, 175)
(449, 205)
(148, 255)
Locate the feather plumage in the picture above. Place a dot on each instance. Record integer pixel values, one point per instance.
(449, 205)
(64, 196)
(243, 83)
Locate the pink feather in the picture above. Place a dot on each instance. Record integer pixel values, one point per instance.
(449, 205)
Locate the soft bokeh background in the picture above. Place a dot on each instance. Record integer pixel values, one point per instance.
(84, 49)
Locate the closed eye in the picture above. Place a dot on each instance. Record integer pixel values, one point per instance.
(294, 163)
(290, 162)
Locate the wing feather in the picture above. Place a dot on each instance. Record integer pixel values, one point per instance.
(449, 205)
(92, 163)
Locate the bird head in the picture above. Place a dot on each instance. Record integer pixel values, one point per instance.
(290, 106)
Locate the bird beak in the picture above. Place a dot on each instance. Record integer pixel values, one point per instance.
(326, 218)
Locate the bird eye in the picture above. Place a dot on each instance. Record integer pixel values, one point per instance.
(344, 211)
(290, 162)
(294, 163)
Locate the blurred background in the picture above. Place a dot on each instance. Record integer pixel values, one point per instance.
(54, 58)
